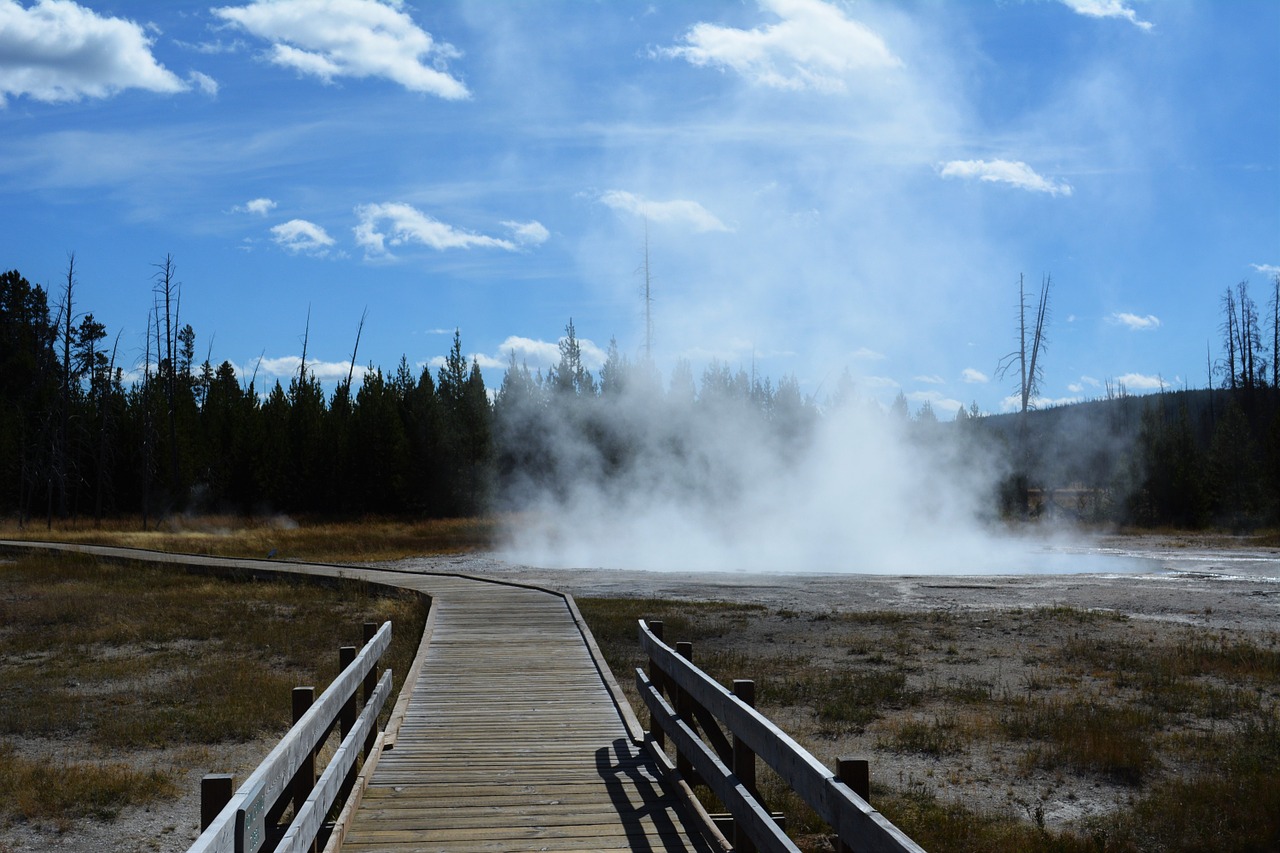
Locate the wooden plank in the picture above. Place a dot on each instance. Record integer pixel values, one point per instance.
(512, 740)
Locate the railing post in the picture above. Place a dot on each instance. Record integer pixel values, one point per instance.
(216, 790)
(370, 684)
(655, 675)
(371, 680)
(744, 763)
(305, 780)
(684, 708)
(856, 773)
(347, 716)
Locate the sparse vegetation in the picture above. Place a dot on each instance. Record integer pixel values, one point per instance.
(108, 659)
(277, 537)
(44, 790)
(980, 726)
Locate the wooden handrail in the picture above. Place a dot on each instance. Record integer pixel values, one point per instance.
(307, 824)
(858, 826)
(242, 826)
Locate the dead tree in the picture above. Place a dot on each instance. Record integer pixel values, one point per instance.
(1030, 370)
(1275, 331)
(60, 455)
(167, 292)
(1229, 337)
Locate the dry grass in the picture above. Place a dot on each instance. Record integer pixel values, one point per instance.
(979, 725)
(276, 537)
(41, 790)
(101, 660)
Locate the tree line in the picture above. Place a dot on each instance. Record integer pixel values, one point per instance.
(81, 436)
(77, 440)
(1183, 458)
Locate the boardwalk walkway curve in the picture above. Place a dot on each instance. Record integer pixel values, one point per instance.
(509, 734)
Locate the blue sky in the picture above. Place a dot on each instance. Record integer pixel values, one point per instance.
(824, 185)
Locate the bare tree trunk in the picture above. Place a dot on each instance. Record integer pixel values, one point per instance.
(1244, 332)
(1229, 335)
(351, 369)
(1275, 331)
(168, 291)
(306, 338)
(648, 299)
(104, 431)
(61, 450)
(146, 429)
(1027, 358)
(1208, 357)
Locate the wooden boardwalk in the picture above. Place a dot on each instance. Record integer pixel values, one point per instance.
(511, 740)
(508, 736)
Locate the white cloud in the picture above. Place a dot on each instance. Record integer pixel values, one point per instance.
(1141, 382)
(258, 206)
(529, 351)
(974, 377)
(936, 401)
(540, 355)
(880, 382)
(58, 50)
(1266, 269)
(488, 362)
(931, 380)
(528, 233)
(212, 48)
(204, 83)
(677, 211)
(1108, 9)
(1136, 322)
(350, 38)
(1016, 173)
(813, 46)
(300, 236)
(1085, 382)
(866, 354)
(407, 225)
(1013, 402)
(325, 371)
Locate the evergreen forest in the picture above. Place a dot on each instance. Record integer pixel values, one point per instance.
(82, 436)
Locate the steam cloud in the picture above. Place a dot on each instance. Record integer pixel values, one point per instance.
(711, 485)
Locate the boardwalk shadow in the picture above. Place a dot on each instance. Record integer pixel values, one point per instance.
(644, 806)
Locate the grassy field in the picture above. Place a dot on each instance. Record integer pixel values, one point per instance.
(277, 537)
(103, 662)
(1169, 734)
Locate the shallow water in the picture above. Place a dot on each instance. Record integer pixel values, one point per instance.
(1141, 559)
(1251, 565)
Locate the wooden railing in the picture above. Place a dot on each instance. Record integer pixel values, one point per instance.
(249, 820)
(688, 706)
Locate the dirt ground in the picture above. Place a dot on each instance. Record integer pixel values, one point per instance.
(1227, 585)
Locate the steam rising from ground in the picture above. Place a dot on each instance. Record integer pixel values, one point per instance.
(640, 481)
